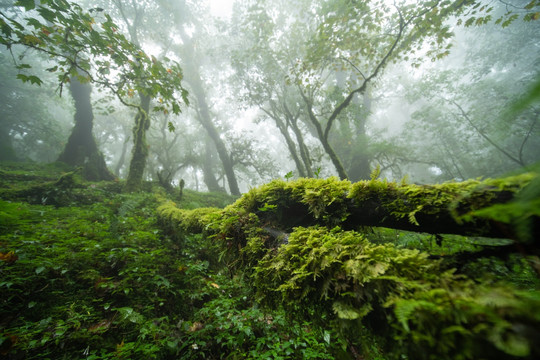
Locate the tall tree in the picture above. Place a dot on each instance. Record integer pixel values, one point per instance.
(463, 121)
(190, 62)
(81, 146)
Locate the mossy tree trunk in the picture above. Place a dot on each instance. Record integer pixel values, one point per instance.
(140, 146)
(438, 209)
(81, 149)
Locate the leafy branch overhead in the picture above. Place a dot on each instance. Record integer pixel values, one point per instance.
(90, 47)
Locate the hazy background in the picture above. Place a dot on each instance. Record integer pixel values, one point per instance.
(263, 74)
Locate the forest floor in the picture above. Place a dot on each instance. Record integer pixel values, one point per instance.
(88, 272)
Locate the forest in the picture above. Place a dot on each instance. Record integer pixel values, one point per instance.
(270, 179)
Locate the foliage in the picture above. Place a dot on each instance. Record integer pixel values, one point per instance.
(91, 280)
(88, 46)
(409, 303)
(434, 313)
(99, 279)
(236, 327)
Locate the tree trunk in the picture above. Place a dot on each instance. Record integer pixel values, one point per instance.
(208, 169)
(81, 149)
(193, 78)
(140, 147)
(122, 158)
(290, 145)
(436, 209)
(324, 140)
(6, 148)
(304, 152)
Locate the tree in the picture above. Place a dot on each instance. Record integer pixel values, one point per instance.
(463, 123)
(28, 131)
(81, 148)
(189, 56)
(87, 46)
(262, 70)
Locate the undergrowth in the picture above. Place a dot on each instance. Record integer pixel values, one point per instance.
(99, 279)
(94, 273)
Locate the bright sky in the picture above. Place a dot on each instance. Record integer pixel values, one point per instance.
(221, 8)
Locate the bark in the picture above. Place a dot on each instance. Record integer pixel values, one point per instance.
(208, 169)
(81, 149)
(193, 77)
(122, 159)
(140, 147)
(323, 138)
(304, 151)
(436, 209)
(208, 125)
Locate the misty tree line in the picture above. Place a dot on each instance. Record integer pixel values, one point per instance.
(319, 88)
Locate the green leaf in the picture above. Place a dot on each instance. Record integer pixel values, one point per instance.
(35, 80)
(27, 4)
(170, 126)
(23, 66)
(326, 337)
(348, 312)
(47, 14)
(40, 269)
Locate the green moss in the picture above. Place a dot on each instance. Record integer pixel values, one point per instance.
(404, 200)
(342, 277)
(140, 151)
(426, 310)
(191, 221)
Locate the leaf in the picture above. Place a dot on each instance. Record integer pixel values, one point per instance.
(35, 80)
(27, 4)
(40, 269)
(326, 337)
(170, 126)
(348, 312)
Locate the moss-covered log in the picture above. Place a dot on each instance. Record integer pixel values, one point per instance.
(439, 209)
(326, 269)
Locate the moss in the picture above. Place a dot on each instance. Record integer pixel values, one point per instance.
(345, 279)
(400, 293)
(140, 151)
(458, 198)
(191, 221)
(193, 199)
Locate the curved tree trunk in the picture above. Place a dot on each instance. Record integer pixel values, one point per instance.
(290, 144)
(193, 78)
(81, 149)
(324, 139)
(436, 209)
(304, 151)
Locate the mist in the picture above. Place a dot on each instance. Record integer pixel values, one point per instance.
(312, 89)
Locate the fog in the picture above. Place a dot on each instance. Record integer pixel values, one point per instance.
(270, 89)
